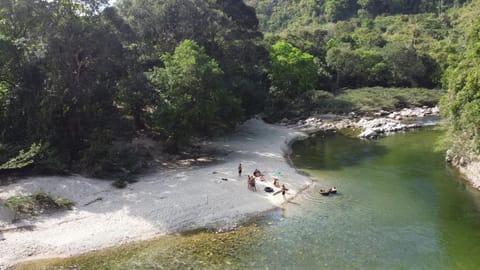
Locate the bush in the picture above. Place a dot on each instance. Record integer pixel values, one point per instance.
(324, 102)
(51, 161)
(22, 159)
(106, 159)
(370, 99)
(362, 100)
(120, 184)
(37, 203)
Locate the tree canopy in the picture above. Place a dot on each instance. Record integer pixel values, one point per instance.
(79, 79)
(191, 98)
(461, 105)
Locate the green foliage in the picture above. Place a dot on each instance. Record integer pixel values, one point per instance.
(104, 158)
(325, 102)
(363, 100)
(373, 99)
(84, 79)
(345, 62)
(37, 203)
(227, 30)
(405, 65)
(120, 184)
(388, 51)
(336, 10)
(23, 158)
(282, 14)
(192, 99)
(461, 105)
(72, 75)
(292, 71)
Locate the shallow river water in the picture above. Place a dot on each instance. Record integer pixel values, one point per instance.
(399, 206)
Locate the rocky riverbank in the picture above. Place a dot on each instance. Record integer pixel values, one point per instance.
(468, 166)
(372, 126)
(389, 122)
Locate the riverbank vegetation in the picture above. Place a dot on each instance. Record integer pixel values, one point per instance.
(461, 105)
(374, 99)
(36, 203)
(80, 80)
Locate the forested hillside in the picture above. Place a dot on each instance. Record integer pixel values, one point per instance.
(430, 44)
(282, 14)
(80, 79)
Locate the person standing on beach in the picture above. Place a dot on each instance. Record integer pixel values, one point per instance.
(240, 169)
(254, 188)
(284, 189)
(251, 183)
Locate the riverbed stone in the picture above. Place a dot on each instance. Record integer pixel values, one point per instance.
(369, 133)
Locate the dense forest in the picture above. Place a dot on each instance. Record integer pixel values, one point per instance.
(281, 14)
(79, 79)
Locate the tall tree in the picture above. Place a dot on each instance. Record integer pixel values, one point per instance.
(227, 29)
(336, 10)
(345, 62)
(192, 100)
(292, 71)
(405, 64)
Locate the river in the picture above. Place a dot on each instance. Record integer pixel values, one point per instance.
(399, 206)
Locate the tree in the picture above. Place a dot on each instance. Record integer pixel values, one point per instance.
(62, 69)
(83, 66)
(345, 62)
(461, 105)
(292, 72)
(405, 64)
(336, 10)
(192, 100)
(133, 95)
(227, 29)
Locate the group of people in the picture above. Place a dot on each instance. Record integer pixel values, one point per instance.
(251, 182)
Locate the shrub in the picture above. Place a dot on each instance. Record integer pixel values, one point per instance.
(106, 159)
(120, 184)
(37, 203)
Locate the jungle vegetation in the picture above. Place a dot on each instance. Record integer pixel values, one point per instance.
(80, 79)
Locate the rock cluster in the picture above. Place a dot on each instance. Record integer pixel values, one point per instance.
(413, 113)
(382, 122)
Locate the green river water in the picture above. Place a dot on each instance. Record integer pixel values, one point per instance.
(399, 207)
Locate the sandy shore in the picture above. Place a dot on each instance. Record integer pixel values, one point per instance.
(160, 203)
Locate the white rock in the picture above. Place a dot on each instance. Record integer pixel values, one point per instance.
(369, 133)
